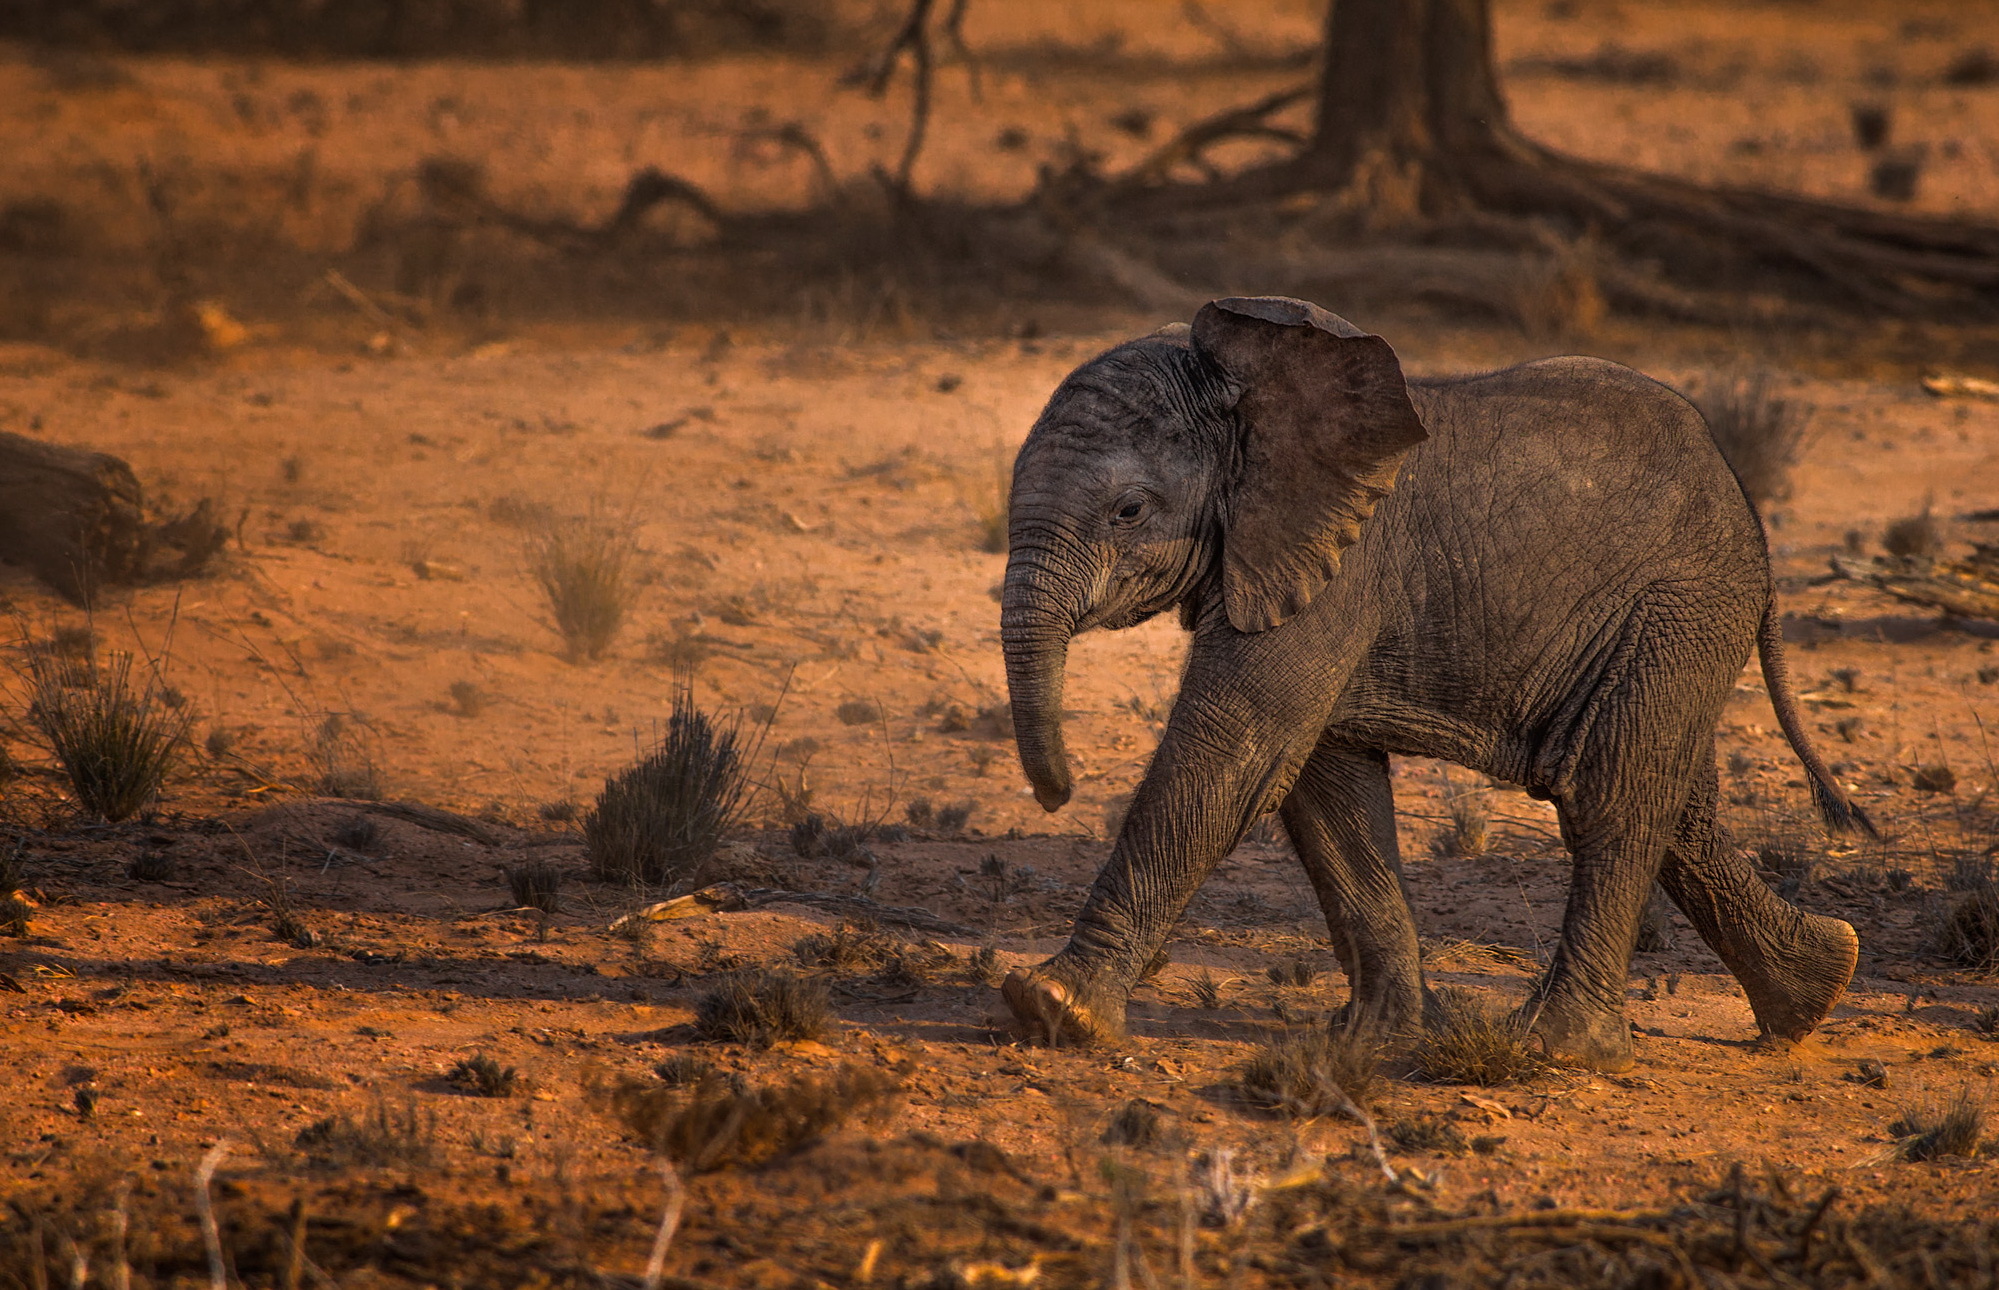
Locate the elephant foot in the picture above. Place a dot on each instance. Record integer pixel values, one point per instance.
(1055, 1011)
(1571, 1034)
(1793, 989)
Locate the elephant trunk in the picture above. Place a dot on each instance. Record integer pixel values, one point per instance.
(1035, 636)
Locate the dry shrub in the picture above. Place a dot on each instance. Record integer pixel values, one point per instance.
(761, 1007)
(1933, 1132)
(1470, 1042)
(468, 699)
(385, 1136)
(721, 1121)
(535, 885)
(1914, 537)
(1761, 434)
(860, 948)
(1136, 1123)
(1986, 1021)
(1969, 933)
(1429, 1133)
(343, 759)
(1469, 811)
(114, 734)
(1310, 1073)
(14, 906)
(482, 1076)
(587, 570)
(659, 821)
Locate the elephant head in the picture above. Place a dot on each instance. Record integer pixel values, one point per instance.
(1225, 464)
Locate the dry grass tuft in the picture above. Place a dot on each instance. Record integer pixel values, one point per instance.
(1429, 1133)
(1310, 1073)
(587, 570)
(859, 948)
(1761, 434)
(1470, 1042)
(661, 820)
(1468, 810)
(14, 907)
(761, 1007)
(721, 1120)
(1914, 537)
(114, 735)
(535, 885)
(482, 1076)
(1969, 933)
(1136, 1123)
(342, 759)
(1932, 1132)
(386, 1136)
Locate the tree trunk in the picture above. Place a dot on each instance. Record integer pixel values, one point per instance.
(77, 520)
(1407, 87)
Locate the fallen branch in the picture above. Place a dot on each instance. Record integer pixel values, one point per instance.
(1961, 588)
(730, 898)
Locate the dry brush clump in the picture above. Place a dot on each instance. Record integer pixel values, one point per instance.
(1936, 1131)
(1467, 1041)
(113, 732)
(1310, 1073)
(659, 821)
(386, 1135)
(483, 1076)
(1968, 934)
(587, 570)
(1762, 435)
(721, 1120)
(762, 1007)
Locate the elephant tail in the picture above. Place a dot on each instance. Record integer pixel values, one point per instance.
(1838, 810)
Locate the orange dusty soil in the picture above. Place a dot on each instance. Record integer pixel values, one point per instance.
(811, 498)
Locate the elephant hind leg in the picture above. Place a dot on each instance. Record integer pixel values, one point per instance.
(1341, 817)
(1794, 966)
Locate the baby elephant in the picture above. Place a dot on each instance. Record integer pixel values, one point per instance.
(1546, 574)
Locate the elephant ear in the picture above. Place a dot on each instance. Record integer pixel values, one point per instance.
(1325, 422)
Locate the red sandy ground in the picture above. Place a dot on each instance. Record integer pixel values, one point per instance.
(815, 514)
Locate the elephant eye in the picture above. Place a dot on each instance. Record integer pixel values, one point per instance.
(1131, 510)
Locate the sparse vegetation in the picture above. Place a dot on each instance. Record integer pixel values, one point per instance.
(343, 758)
(387, 1135)
(1914, 537)
(358, 832)
(1930, 1131)
(587, 570)
(1429, 1133)
(1761, 434)
(14, 906)
(720, 1121)
(1468, 816)
(1309, 1073)
(1136, 1123)
(468, 699)
(535, 885)
(1470, 1042)
(114, 738)
(659, 821)
(1207, 990)
(762, 1007)
(483, 1076)
(1969, 933)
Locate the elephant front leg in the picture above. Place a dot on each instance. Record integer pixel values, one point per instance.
(1341, 817)
(1193, 807)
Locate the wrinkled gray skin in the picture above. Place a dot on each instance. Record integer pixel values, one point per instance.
(1546, 574)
